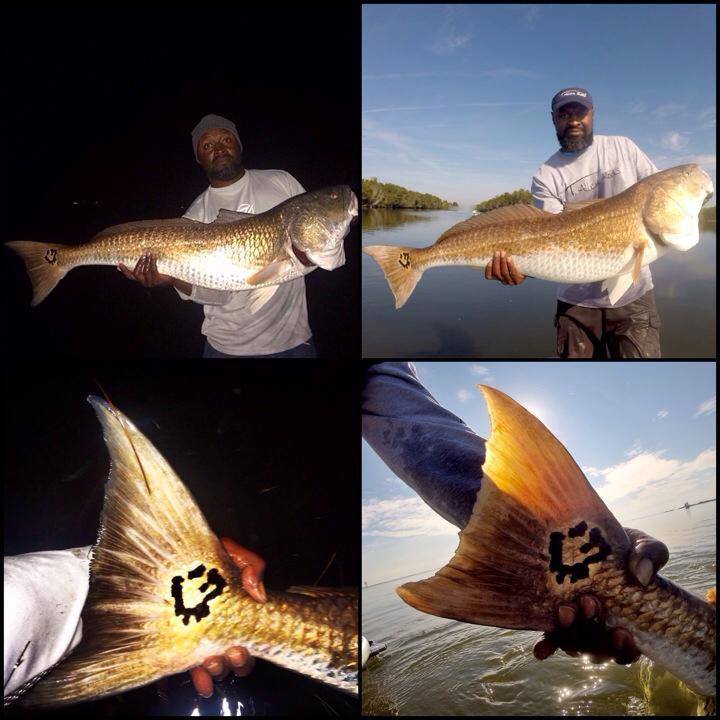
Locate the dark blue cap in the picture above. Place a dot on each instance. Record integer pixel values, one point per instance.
(573, 94)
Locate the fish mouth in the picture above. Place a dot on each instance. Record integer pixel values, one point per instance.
(353, 206)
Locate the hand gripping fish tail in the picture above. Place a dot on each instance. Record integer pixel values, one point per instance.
(164, 594)
(539, 535)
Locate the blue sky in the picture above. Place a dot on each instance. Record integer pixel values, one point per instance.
(456, 98)
(644, 433)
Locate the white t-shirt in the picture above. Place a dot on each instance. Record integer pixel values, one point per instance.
(43, 594)
(609, 166)
(230, 327)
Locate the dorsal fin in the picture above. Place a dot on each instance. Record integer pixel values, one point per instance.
(503, 214)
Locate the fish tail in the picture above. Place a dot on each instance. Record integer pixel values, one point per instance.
(538, 534)
(43, 262)
(397, 265)
(157, 578)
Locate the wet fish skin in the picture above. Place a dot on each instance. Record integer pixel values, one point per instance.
(164, 594)
(539, 535)
(608, 239)
(237, 251)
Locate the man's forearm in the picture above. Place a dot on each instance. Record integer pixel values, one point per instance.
(182, 286)
(426, 446)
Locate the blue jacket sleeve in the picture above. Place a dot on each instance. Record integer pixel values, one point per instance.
(425, 445)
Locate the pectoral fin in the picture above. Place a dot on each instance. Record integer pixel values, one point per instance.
(617, 286)
(274, 272)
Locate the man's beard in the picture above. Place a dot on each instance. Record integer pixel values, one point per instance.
(571, 144)
(226, 171)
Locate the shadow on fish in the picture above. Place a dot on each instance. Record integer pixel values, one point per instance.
(607, 239)
(238, 251)
(540, 535)
(164, 595)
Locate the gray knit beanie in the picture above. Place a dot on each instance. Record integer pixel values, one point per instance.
(213, 121)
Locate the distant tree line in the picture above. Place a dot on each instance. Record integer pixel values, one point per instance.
(386, 195)
(517, 197)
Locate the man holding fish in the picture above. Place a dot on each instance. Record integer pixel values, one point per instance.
(271, 321)
(589, 324)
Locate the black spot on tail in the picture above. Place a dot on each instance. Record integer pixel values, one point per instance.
(581, 570)
(404, 260)
(202, 609)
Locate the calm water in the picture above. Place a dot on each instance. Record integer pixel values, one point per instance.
(435, 666)
(456, 312)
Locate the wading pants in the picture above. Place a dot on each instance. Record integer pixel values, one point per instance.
(631, 331)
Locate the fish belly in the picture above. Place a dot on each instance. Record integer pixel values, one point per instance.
(222, 267)
(576, 267)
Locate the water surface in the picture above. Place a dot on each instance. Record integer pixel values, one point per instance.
(435, 666)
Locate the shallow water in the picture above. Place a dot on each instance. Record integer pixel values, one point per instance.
(455, 312)
(435, 666)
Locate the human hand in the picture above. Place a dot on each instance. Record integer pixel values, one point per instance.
(502, 268)
(146, 272)
(582, 624)
(235, 658)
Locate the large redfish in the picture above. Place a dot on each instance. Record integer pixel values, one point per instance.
(238, 251)
(164, 595)
(539, 535)
(595, 240)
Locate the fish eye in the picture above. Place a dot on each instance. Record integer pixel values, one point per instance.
(333, 195)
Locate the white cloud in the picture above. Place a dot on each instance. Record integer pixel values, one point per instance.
(448, 37)
(480, 370)
(402, 517)
(666, 110)
(636, 449)
(707, 118)
(674, 140)
(650, 482)
(464, 396)
(662, 414)
(707, 407)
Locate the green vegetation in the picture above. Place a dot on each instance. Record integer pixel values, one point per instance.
(386, 195)
(707, 217)
(517, 197)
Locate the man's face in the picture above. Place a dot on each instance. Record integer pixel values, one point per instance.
(574, 126)
(219, 154)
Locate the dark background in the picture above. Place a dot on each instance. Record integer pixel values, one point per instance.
(270, 451)
(98, 116)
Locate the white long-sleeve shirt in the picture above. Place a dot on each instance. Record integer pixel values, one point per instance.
(230, 327)
(606, 168)
(43, 596)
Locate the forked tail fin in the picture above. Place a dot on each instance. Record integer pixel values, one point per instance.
(153, 550)
(396, 262)
(43, 265)
(538, 532)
